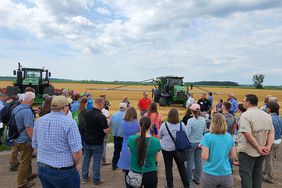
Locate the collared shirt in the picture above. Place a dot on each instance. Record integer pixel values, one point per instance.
(277, 124)
(144, 103)
(234, 105)
(115, 123)
(24, 119)
(258, 123)
(56, 137)
(204, 104)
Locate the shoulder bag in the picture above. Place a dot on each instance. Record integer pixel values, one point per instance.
(181, 155)
(134, 179)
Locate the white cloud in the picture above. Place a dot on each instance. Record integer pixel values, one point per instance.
(214, 36)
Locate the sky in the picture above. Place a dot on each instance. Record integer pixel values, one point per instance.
(218, 40)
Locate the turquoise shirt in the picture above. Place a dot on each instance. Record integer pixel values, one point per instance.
(219, 146)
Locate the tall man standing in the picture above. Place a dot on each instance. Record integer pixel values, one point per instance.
(95, 130)
(24, 120)
(115, 124)
(57, 140)
(256, 135)
(144, 104)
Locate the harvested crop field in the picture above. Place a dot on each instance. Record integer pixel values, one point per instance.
(115, 97)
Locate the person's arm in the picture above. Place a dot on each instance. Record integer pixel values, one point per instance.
(34, 138)
(189, 129)
(205, 153)
(76, 158)
(270, 139)
(29, 131)
(251, 139)
(158, 156)
(233, 153)
(139, 105)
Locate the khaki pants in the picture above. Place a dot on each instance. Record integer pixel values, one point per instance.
(25, 169)
(269, 162)
(14, 157)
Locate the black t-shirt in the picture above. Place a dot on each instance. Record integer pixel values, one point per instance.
(186, 117)
(204, 104)
(95, 123)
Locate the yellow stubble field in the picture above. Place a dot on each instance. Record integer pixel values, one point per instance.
(115, 97)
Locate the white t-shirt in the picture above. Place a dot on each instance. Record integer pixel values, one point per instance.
(189, 102)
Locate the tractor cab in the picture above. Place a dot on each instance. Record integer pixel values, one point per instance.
(38, 79)
(170, 90)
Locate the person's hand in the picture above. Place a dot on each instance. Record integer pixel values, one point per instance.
(263, 151)
(77, 166)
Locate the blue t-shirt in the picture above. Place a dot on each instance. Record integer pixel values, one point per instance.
(90, 104)
(75, 106)
(219, 146)
(24, 119)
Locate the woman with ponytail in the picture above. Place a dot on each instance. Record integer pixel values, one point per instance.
(145, 152)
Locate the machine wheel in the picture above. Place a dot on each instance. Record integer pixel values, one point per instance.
(49, 90)
(12, 91)
(157, 95)
(163, 101)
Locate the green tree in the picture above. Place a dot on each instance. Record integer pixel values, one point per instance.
(258, 80)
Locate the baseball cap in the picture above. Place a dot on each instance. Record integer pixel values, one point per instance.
(59, 102)
(195, 107)
(122, 105)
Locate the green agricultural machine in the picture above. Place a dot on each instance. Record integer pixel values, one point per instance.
(169, 90)
(38, 79)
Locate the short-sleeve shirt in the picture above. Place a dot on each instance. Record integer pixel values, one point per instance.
(154, 148)
(196, 129)
(24, 119)
(258, 123)
(230, 121)
(56, 137)
(144, 103)
(219, 146)
(95, 123)
(205, 105)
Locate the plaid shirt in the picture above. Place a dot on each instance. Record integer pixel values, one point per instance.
(56, 137)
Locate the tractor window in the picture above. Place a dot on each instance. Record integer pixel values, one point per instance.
(32, 74)
(175, 82)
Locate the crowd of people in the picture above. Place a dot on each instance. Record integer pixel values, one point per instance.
(72, 130)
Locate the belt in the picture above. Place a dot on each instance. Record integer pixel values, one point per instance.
(54, 168)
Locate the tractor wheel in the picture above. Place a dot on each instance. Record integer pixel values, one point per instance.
(12, 91)
(49, 90)
(163, 101)
(157, 95)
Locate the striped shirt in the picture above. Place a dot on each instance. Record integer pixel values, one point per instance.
(196, 129)
(56, 137)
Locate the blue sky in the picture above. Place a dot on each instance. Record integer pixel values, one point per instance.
(137, 40)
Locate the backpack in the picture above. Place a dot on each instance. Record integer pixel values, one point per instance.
(12, 129)
(7, 111)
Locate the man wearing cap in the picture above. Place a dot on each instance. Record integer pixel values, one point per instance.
(57, 140)
(24, 121)
(144, 104)
(115, 124)
(96, 127)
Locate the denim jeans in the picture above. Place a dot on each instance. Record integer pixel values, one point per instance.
(96, 151)
(55, 178)
(117, 150)
(194, 160)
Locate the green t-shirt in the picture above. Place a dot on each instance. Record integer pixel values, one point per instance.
(154, 148)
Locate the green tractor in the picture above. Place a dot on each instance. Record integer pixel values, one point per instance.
(169, 90)
(38, 79)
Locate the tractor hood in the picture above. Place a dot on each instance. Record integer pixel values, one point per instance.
(30, 81)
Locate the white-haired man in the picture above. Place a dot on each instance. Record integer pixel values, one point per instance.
(25, 120)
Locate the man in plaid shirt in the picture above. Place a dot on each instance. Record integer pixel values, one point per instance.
(57, 140)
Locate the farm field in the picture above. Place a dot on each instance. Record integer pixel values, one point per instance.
(115, 97)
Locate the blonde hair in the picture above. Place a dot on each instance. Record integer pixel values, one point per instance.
(218, 124)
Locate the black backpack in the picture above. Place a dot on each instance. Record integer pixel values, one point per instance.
(12, 129)
(7, 111)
